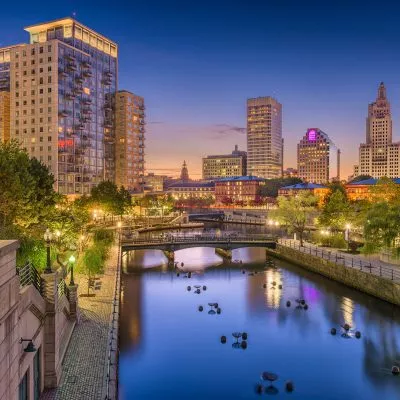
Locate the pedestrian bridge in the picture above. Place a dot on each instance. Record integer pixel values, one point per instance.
(170, 243)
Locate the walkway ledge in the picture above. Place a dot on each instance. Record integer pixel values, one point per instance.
(375, 285)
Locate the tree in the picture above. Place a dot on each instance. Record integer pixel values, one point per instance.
(91, 264)
(271, 187)
(296, 212)
(26, 189)
(226, 201)
(385, 190)
(382, 227)
(336, 211)
(110, 199)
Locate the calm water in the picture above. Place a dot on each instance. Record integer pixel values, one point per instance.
(170, 350)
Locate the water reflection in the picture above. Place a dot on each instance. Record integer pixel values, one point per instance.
(171, 350)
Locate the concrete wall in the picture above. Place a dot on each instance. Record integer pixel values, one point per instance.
(371, 284)
(21, 315)
(26, 313)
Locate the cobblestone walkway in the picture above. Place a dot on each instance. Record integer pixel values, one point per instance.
(84, 363)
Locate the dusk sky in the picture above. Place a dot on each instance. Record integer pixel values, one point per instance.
(196, 63)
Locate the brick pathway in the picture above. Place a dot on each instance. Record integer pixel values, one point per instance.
(84, 363)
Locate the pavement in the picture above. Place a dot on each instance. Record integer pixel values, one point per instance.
(84, 364)
(367, 263)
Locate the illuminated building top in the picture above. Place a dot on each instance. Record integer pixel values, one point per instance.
(69, 28)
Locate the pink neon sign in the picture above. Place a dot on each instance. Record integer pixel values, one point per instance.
(312, 135)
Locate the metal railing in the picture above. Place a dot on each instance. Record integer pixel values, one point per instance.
(28, 275)
(111, 389)
(62, 289)
(346, 260)
(202, 238)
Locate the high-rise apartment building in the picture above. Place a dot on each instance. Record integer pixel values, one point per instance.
(129, 147)
(223, 166)
(318, 159)
(379, 156)
(264, 137)
(62, 88)
(4, 116)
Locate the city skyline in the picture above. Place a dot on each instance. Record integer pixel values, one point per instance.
(196, 70)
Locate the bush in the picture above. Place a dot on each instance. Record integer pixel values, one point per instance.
(338, 241)
(335, 240)
(103, 235)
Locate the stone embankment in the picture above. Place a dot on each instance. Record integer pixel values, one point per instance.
(381, 287)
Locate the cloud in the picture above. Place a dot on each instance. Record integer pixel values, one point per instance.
(155, 122)
(224, 129)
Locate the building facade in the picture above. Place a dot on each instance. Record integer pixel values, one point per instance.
(239, 189)
(129, 140)
(185, 190)
(155, 183)
(318, 159)
(317, 190)
(379, 156)
(290, 173)
(264, 138)
(62, 87)
(222, 166)
(4, 116)
(361, 190)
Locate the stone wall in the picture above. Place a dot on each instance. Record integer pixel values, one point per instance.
(21, 316)
(43, 317)
(368, 283)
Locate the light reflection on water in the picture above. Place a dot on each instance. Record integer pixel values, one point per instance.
(170, 350)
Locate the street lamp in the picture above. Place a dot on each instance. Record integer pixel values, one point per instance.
(72, 262)
(347, 236)
(119, 226)
(47, 237)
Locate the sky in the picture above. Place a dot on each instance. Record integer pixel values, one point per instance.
(196, 63)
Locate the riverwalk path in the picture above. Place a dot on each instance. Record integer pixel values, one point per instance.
(85, 363)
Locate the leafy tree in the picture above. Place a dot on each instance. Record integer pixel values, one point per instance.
(110, 199)
(296, 212)
(91, 264)
(26, 189)
(382, 227)
(336, 211)
(271, 187)
(226, 201)
(385, 190)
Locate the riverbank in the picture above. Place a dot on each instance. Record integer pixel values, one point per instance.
(370, 282)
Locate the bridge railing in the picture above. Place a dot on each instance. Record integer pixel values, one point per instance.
(201, 238)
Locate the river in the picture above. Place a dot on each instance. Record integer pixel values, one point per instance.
(171, 350)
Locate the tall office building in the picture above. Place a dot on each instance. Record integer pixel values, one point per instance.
(4, 116)
(223, 166)
(62, 87)
(264, 137)
(129, 147)
(379, 156)
(318, 159)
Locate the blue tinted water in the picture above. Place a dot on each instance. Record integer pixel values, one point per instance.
(170, 350)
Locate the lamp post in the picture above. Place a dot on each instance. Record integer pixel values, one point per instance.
(47, 237)
(347, 236)
(119, 226)
(72, 262)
